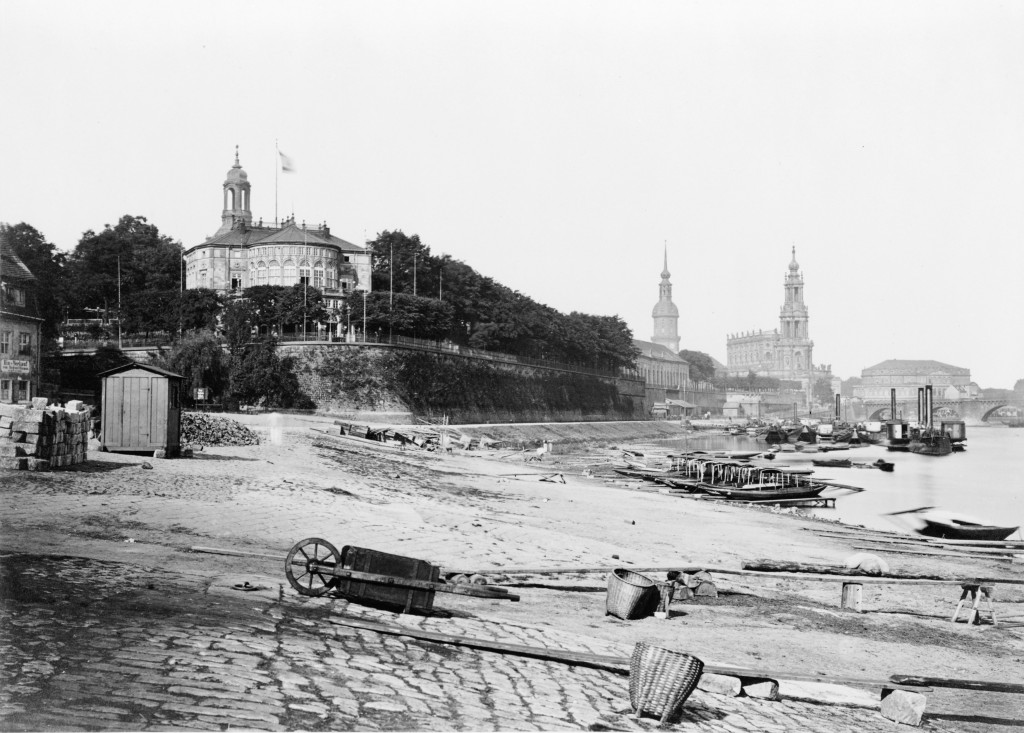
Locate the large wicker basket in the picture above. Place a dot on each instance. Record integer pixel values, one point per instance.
(630, 595)
(660, 680)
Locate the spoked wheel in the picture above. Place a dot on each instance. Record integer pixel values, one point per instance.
(309, 564)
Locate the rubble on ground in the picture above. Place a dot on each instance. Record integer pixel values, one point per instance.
(198, 428)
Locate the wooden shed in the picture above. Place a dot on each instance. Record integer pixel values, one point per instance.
(141, 409)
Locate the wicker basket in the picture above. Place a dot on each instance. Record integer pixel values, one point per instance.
(630, 595)
(660, 680)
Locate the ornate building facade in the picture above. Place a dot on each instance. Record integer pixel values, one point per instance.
(241, 254)
(907, 375)
(666, 314)
(786, 352)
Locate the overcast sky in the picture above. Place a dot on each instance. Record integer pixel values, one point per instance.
(557, 146)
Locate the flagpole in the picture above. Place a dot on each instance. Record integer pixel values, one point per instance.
(277, 164)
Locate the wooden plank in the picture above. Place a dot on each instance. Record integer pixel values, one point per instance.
(749, 573)
(958, 684)
(619, 665)
(927, 552)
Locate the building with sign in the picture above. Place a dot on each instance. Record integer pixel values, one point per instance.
(19, 329)
(243, 253)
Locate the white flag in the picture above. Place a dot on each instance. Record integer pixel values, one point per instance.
(287, 165)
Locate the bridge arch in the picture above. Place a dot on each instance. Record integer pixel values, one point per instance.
(987, 415)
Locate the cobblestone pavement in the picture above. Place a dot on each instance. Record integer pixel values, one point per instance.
(112, 644)
(92, 645)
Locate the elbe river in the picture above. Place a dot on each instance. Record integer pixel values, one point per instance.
(984, 482)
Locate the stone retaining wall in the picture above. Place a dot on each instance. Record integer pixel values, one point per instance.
(39, 438)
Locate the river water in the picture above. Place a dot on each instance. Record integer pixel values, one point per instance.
(985, 482)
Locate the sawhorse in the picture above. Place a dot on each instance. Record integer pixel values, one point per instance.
(974, 593)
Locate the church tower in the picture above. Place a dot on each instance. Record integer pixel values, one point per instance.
(236, 198)
(665, 313)
(793, 315)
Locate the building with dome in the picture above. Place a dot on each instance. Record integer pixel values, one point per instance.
(783, 353)
(666, 314)
(241, 253)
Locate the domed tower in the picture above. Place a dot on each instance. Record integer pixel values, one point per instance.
(236, 198)
(665, 313)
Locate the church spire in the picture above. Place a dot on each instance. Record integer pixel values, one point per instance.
(665, 313)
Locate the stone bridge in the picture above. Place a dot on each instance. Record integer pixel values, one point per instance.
(969, 410)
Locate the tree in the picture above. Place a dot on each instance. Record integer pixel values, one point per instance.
(200, 308)
(1018, 386)
(821, 390)
(148, 261)
(846, 389)
(200, 359)
(702, 366)
(260, 377)
(46, 262)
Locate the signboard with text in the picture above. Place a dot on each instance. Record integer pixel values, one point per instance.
(15, 366)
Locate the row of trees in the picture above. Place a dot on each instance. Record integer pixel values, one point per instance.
(414, 293)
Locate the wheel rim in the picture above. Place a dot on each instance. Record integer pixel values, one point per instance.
(309, 564)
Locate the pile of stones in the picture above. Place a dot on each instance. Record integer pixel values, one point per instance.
(38, 438)
(198, 428)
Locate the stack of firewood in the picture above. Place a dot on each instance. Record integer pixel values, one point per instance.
(198, 428)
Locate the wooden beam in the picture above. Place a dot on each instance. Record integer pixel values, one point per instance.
(619, 665)
(730, 571)
(977, 685)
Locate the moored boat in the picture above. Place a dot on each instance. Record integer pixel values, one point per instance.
(832, 462)
(961, 529)
(757, 493)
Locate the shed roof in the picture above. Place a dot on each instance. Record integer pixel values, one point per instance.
(139, 365)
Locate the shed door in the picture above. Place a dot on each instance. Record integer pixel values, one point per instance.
(135, 412)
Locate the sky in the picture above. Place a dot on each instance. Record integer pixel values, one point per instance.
(562, 147)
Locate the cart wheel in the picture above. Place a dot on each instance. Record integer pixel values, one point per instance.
(309, 565)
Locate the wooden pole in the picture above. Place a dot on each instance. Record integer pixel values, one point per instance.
(852, 596)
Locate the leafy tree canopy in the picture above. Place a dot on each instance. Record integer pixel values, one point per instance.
(148, 261)
(702, 366)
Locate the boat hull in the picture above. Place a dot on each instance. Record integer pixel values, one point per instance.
(950, 531)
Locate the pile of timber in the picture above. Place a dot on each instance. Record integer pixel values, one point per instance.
(199, 428)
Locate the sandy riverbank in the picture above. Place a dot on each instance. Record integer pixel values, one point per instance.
(490, 510)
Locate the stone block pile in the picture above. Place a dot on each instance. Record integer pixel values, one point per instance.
(38, 438)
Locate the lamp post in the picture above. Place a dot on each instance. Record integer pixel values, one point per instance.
(364, 316)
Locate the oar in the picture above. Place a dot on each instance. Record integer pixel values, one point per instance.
(909, 511)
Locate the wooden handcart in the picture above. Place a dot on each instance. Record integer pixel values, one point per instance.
(314, 567)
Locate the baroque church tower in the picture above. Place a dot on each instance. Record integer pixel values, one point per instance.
(793, 314)
(236, 198)
(665, 313)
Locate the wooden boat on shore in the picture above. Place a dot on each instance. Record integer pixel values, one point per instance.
(766, 493)
(948, 525)
(962, 529)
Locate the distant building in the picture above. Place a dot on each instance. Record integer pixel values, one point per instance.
(660, 366)
(19, 329)
(786, 352)
(666, 314)
(907, 375)
(241, 254)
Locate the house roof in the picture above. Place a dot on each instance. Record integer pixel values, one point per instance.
(290, 233)
(140, 365)
(915, 366)
(11, 267)
(657, 351)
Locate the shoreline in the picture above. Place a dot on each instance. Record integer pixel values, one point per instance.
(474, 509)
